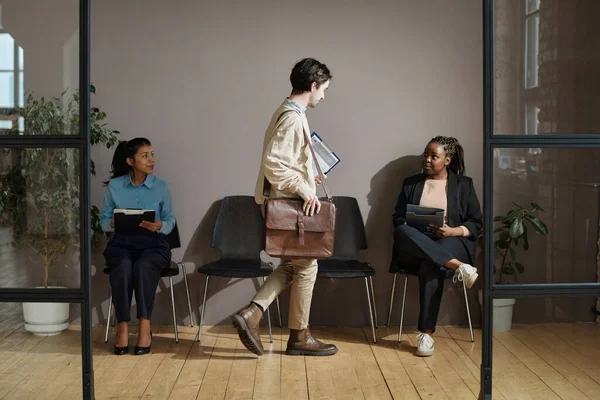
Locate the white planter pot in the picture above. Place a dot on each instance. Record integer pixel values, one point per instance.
(503, 312)
(46, 319)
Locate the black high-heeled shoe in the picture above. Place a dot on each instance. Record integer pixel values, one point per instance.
(121, 350)
(140, 351)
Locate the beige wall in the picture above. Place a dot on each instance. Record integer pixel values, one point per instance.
(201, 80)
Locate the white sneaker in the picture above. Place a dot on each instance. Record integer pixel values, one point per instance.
(425, 347)
(465, 273)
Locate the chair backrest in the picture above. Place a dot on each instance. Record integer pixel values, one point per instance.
(173, 238)
(239, 229)
(350, 234)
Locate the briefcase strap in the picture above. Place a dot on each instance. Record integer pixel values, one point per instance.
(267, 184)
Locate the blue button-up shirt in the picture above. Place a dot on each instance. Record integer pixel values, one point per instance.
(301, 109)
(153, 194)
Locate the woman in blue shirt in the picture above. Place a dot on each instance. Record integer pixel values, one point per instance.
(136, 261)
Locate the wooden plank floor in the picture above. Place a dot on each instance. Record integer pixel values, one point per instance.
(550, 361)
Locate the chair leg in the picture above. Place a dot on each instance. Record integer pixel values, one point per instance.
(202, 310)
(402, 312)
(468, 311)
(187, 292)
(391, 301)
(108, 318)
(374, 303)
(269, 318)
(174, 315)
(278, 311)
(370, 310)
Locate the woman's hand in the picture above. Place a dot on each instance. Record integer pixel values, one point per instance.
(152, 226)
(443, 231)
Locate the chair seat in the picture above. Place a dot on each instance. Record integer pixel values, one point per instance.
(342, 269)
(173, 270)
(404, 270)
(236, 268)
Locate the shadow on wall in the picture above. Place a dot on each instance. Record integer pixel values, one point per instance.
(385, 188)
(382, 198)
(344, 302)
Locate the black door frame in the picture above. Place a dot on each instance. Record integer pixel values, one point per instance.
(81, 142)
(490, 289)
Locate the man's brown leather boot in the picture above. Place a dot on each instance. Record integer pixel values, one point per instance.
(302, 343)
(247, 324)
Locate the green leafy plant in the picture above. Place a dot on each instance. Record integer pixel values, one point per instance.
(39, 194)
(512, 234)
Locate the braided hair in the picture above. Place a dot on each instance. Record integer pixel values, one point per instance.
(455, 151)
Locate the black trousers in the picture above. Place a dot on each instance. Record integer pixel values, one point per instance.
(135, 264)
(426, 255)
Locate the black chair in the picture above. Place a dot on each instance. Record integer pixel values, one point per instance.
(350, 237)
(238, 234)
(173, 270)
(397, 268)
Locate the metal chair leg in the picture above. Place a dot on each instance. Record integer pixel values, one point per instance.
(269, 317)
(391, 301)
(202, 310)
(269, 321)
(370, 310)
(468, 311)
(402, 312)
(278, 311)
(374, 303)
(108, 318)
(187, 292)
(173, 305)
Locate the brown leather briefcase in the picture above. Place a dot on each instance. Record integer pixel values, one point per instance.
(289, 233)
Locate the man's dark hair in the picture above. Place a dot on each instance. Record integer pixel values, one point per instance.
(307, 71)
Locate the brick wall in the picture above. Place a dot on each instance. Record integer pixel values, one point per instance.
(563, 181)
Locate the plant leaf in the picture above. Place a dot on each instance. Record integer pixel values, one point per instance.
(538, 225)
(536, 207)
(512, 254)
(520, 267)
(516, 228)
(508, 270)
(525, 239)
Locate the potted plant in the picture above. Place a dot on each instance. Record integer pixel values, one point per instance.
(39, 194)
(510, 237)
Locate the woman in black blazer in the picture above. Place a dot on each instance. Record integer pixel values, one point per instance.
(442, 251)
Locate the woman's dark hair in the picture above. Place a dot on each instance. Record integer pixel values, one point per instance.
(454, 150)
(307, 71)
(125, 150)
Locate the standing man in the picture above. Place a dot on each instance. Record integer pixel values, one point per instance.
(287, 165)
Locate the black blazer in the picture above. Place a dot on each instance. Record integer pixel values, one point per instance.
(463, 206)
